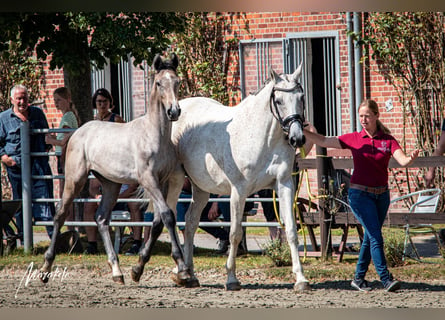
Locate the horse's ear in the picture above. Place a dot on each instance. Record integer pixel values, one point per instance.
(273, 75)
(296, 75)
(157, 62)
(175, 60)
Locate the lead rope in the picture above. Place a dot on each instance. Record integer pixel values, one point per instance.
(296, 209)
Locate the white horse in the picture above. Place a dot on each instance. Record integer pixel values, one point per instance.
(237, 151)
(139, 151)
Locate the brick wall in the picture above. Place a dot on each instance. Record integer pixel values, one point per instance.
(53, 80)
(140, 92)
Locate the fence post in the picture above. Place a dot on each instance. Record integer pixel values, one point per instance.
(323, 176)
(26, 187)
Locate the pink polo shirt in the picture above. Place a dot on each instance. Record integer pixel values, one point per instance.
(370, 155)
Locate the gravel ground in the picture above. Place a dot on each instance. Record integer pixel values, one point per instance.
(83, 288)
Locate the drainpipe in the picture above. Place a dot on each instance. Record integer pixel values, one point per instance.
(351, 75)
(358, 65)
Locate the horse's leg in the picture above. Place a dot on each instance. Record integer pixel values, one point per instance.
(285, 194)
(73, 185)
(168, 218)
(145, 252)
(110, 193)
(192, 218)
(236, 235)
(175, 183)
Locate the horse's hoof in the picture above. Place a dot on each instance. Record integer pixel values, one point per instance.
(302, 287)
(182, 278)
(233, 286)
(44, 276)
(192, 283)
(136, 273)
(119, 279)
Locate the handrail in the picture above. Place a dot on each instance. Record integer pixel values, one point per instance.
(436, 192)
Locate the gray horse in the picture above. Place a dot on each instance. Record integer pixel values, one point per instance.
(139, 151)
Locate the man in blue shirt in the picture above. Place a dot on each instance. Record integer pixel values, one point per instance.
(10, 154)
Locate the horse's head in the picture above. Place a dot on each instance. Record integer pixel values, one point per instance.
(166, 84)
(287, 105)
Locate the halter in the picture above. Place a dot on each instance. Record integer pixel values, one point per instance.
(290, 119)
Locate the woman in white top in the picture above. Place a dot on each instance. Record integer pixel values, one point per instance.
(70, 119)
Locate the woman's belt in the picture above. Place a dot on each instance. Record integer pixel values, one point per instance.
(375, 190)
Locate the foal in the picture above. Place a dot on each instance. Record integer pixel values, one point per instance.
(139, 151)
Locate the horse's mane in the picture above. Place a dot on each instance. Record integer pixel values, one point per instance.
(167, 65)
(265, 83)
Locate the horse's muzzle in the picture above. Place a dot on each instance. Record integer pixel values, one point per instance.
(173, 113)
(295, 134)
(297, 142)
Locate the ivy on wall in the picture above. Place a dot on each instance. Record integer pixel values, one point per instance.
(18, 66)
(205, 51)
(408, 48)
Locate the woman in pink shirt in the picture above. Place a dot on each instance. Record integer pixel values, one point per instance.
(368, 194)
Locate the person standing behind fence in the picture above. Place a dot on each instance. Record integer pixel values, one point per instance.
(211, 212)
(10, 153)
(70, 120)
(103, 102)
(368, 193)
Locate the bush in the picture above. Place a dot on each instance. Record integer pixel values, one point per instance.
(278, 252)
(393, 246)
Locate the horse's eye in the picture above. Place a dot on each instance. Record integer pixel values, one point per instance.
(158, 83)
(279, 102)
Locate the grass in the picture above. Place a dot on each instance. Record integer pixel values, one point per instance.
(315, 269)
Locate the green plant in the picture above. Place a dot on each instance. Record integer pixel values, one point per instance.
(205, 51)
(18, 66)
(278, 252)
(393, 246)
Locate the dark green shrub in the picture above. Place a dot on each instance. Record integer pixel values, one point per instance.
(278, 252)
(393, 247)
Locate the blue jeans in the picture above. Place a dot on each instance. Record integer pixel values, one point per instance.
(181, 208)
(370, 210)
(41, 188)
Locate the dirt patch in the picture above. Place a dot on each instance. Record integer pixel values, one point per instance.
(84, 288)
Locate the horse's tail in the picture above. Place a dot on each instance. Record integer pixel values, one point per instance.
(147, 204)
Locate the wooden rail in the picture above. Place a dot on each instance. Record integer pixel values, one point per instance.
(393, 219)
(346, 163)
